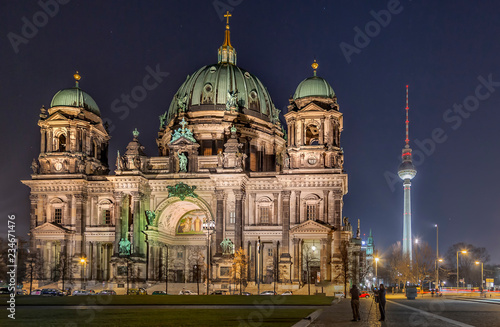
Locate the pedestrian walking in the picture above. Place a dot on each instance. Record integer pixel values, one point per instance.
(381, 302)
(355, 303)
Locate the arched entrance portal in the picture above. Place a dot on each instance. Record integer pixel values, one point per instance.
(177, 242)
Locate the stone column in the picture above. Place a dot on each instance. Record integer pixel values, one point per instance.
(275, 204)
(296, 255)
(43, 132)
(322, 131)
(338, 211)
(136, 197)
(303, 130)
(94, 213)
(323, 258)
(117, 206)
(79, 213)
(297, 207)
(219, 221)
(285, 214)
(67, 210)
(95, 259)
(239, 195)
(33, 217)
(49, 141)
(325, 206)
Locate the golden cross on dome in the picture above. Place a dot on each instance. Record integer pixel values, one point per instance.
(227, 15)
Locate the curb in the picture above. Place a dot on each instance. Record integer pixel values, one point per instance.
(309, 319)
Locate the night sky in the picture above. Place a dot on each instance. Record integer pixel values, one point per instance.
(446, 51)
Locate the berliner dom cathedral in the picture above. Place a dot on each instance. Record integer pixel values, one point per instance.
(228, 177)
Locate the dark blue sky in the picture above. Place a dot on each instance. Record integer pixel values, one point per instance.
(442, 49)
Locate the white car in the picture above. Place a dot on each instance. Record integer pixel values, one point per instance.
(287, 293)
(187, 292)
(339, 295)
(80, 292)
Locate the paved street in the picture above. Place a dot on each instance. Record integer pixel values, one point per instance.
(425, 312)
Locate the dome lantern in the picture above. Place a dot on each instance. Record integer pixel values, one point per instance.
(227, 54)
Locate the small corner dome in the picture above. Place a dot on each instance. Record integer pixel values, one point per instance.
(75, 97)
(314, 86)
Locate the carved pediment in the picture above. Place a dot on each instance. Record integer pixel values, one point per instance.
(57, 116)
(312, 107)
(312, 226)
(50, 228)
(183, 141)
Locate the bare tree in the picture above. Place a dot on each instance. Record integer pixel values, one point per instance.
(424, 259)
(466, 262)
(239, 268)
(343, 265)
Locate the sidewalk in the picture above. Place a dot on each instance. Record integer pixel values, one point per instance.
(340, 314)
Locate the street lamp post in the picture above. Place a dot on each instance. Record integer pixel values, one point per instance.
(437, 273)
(83, 261)
(258, 266)
(437, 256)
(209, 227)
(166, 270)
(477, 262)
(376, 271)
(463, 252)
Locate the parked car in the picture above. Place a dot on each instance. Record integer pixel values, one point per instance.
(21, 292)
(36, 292)
(187, 292)
(364, 294)
(4, 290)
(107, 292)
(51, 292)
(268, 293)
(339, 294)
(219, 292)
(137, 291)
(287, 293)
(246, 293)
(159, 293)
(80, 292)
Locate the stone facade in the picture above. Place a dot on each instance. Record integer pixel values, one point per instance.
(276, 194)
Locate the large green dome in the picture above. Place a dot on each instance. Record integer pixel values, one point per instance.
(314, 86)
(75, 97)
(208, 89)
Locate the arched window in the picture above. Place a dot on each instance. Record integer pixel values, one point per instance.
(312, 204)
(62, 143)
(265, 211)
(312, 135)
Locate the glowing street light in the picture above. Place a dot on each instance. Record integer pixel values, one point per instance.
(463, 252)
(83, 261)
(477, 263)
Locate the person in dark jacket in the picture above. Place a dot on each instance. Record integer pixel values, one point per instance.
(381, 301)
(355, 303)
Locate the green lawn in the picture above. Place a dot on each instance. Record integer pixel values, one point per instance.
(170, 299)
(155, 317)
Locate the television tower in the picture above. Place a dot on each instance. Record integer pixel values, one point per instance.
(406, 172)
